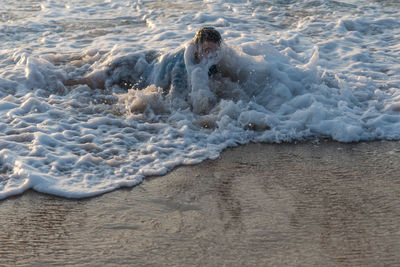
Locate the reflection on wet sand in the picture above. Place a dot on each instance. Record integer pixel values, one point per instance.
(258, 205)
(228, 205)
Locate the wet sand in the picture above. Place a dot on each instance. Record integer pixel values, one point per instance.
(307, 204)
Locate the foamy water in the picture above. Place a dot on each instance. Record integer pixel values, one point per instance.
(305, 70)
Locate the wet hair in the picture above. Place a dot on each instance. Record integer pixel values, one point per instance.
(209, 34)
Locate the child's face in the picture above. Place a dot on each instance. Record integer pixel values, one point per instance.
(208, 50)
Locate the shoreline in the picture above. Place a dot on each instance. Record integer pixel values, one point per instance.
(256, 205)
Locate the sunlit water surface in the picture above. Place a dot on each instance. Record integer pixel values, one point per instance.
(314, 70)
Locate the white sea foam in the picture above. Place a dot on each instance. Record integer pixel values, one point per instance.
(301, 70)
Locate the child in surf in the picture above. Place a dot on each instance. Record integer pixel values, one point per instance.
(188, 68)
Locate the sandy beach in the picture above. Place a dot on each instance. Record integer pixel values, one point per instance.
(308, 204)
(95, 95)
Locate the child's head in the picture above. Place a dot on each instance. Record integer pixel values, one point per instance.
(208, 40)
(209, 34)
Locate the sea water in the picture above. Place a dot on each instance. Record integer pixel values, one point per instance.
(312, 69)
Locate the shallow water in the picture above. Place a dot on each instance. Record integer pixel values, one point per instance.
(306, 70)
(326, 204)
